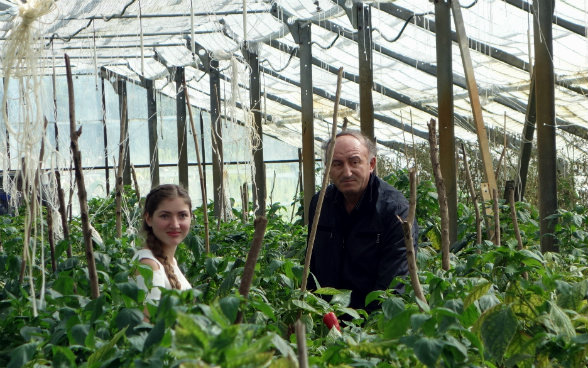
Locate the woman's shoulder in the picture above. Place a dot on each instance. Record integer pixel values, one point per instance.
(146, 256)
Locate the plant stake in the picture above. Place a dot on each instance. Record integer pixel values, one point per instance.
(441, 194)
(77, 156)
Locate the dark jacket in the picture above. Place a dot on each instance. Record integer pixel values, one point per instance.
(364, 250)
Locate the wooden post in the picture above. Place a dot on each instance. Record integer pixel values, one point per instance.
(441, 193)
(81, 186)
(260, 224)
(462, 41)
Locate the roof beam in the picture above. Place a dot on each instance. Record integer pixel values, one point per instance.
(564, 23)
(481, 47)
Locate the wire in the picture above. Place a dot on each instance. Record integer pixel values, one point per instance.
(403, 27)
(326, 47)
(278, 70)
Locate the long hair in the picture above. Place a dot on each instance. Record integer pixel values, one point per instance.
(154, 198)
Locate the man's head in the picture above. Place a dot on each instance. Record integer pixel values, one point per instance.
(354, 159)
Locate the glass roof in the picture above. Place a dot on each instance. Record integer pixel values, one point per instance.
(144, 38)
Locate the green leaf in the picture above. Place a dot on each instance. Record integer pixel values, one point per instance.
(22, 354)
(63, 357)
(328, 291)
(428, 350)
(155, 335)
(561, 323)
(393, 306)
(497, 330)
(305, 306)
(230, 307)
(102, 354)
(283, 346)
(570, 296)
(477, 292)
(78, 333)
(396, 326)
(129, 289)
(264, 308)
(128, 318)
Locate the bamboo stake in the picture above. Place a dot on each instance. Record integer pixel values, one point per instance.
(301, 344)
(63, 212)
(119, 186)
(81, 186)
(321, 197)
(441, 194)
(260, 224)
(496, 217)
(200, 173)
(413, 269)
(503, 153)
(515, 221)
(472, 195)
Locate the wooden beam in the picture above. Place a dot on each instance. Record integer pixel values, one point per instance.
(462, 41)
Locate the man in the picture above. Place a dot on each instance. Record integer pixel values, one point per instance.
(359, 244)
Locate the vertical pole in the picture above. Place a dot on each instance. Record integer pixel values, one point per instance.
(307, 104)
(366, 76)
(463, 42)
(152, 128)
(124, 120)
(181, 128)
(217, 144)
(259, 185)
(445, 108)
(104, 135)
(526, 144)
(546, 147)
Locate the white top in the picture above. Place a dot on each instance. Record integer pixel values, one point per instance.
(159, 277)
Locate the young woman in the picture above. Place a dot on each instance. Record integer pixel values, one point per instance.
(166, 222)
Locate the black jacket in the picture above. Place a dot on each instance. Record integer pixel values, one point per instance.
(364, 250)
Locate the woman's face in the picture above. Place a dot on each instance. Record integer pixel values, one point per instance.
(170, 222)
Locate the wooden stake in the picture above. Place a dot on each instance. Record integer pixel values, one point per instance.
(301, 344)
(81, 186)
(244, 202)
(260, 224)
(496, 217)
(413, 269)
(51, 237)
(441, 193)
(472, 196)
(200, 173)
(136, 184)
(119, 186)
(321, 197)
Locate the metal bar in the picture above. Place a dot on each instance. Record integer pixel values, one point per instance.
(152, 127)
(546, 146)
(473, 93)
(181, 128)
(445, 112)
(564, 23)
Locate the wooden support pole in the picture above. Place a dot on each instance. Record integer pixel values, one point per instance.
(441, 194)
(462, 41)
(472, 196)
(407, 224)
(260, 224)
(81, 185)
(319, 205)
(200, 172)
(301, 344)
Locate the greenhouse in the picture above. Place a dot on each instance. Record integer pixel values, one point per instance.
(479, 113)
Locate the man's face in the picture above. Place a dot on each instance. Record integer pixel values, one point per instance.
(351, 167)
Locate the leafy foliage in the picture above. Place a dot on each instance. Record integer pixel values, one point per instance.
(495, 307)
